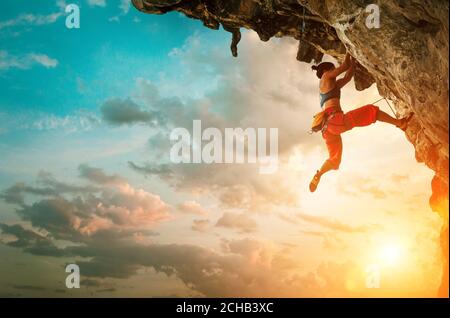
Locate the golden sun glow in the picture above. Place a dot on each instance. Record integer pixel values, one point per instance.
(390, 254)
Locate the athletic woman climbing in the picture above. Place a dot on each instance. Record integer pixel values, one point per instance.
(332, 122)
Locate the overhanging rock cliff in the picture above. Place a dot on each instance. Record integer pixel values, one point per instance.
(407, 58)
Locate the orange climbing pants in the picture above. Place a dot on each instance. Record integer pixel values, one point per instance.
(339, 122)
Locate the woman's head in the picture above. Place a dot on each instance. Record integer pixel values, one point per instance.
(322, 68)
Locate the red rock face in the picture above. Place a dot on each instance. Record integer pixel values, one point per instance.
(407, 58)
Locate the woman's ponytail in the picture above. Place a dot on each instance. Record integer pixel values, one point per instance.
(322, 68)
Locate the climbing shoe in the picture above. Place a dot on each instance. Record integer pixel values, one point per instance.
(314, 182)
(404, 122)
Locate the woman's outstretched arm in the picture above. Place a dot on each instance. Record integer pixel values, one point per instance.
(340, 69)
(348, 75)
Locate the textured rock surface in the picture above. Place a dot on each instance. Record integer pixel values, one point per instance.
(407, 58)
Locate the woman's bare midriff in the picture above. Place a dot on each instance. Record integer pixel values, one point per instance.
(334, 102)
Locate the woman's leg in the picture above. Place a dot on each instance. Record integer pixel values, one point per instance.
(334, 146)
(386, 118)
(362, 116)
(327, 166)
(400, 123)
(369, 114)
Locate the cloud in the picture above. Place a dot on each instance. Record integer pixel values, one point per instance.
(249, 267)
(200, 225)
(399, 178)
(28, 19)
(44, 60)
(25, 62)
(79, 121)
(28, 287)
(331, 241)
(164, 171)
(241, 222)
(236, 186)
(106, 290)
(125, 6)
(98, 176)
(334, 224)
(98, 3)
(90, 282)
(359, 185)
(14, 194)
(47, 186)
(192, 207)
(257, 252)
(61, 4)
(23, 236)
(111, 208)
(120, 112)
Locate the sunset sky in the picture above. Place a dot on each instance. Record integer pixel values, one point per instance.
(85, 175)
